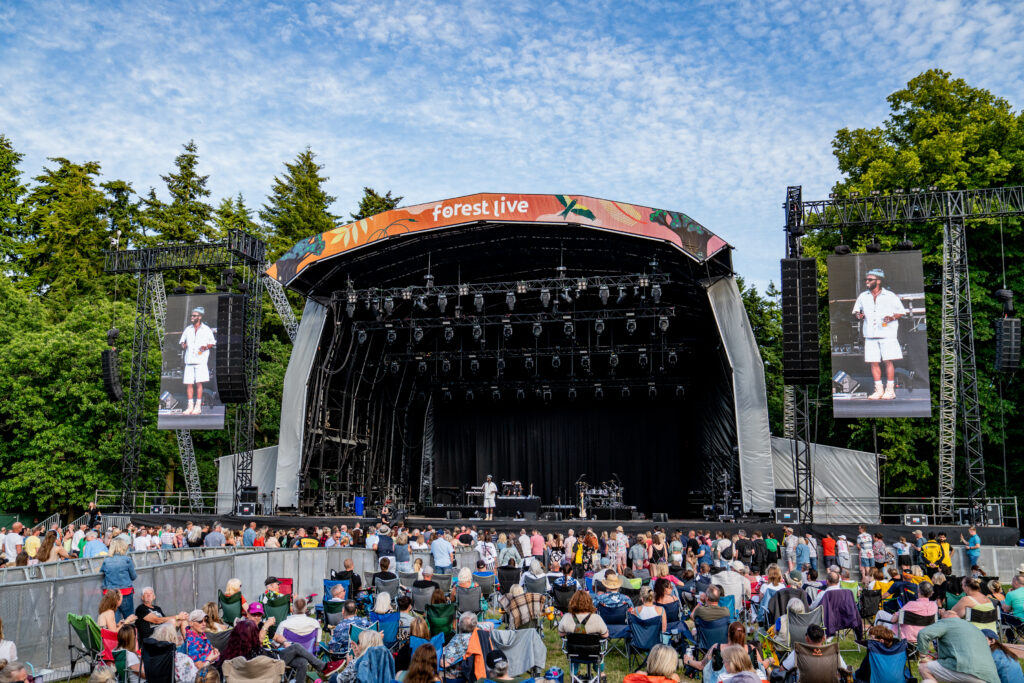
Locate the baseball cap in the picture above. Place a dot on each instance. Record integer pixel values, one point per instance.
(495, 657)
(197, 615)
(738, 566)
(270, 580)
(255, 608)
(989, 633)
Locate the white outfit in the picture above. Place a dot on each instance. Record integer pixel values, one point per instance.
(880, 337)
(300, 625)
(11, 542)
(196, 361)
(8, 650)
(490, 492)
(141, 543)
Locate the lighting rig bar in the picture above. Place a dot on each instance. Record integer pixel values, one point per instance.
(238, 246)
(604, 388)
(568, 353)
(660, 313)
(552, 286)
(917, 205)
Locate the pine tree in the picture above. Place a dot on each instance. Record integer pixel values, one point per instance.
(373, 203)
(187, 218)
(124, 214)
(298, 206)
(233, 214)
(12, 210)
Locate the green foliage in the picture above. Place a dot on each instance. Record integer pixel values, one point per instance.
(233, 214)
(12, 211)
(373, 203)
(298, 205)
(187, 218)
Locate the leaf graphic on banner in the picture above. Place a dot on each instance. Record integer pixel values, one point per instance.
(573, 206)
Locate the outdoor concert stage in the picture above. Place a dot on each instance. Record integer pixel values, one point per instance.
(531, 337)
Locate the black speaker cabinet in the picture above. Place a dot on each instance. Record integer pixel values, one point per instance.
(232, 384)
(249, 494)
(1007, 344)
(246, 509)
(453, 514)
(994, 514)
(786, 498)
(659, 517)
(787, 516)
(111, 375)
(800, 321)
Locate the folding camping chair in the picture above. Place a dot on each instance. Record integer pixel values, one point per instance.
(90, 641)
(389, 626)
(618, 630)
(158, 660)
(535, 584)
(219, 640)
(277, 607)
(468, 599)
(508, 577)
(643, 635)
(710, 632)
(389, 586)
(586, 653)
(440, 619)
(230, 607)
(888, 664)
(287, 586)
(486, 584)
(560, 596)
(987, 618)
(407, 579)
(444, 581)
(421, 598)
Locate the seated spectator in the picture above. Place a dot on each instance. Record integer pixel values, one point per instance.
(523, 607)
(423, 667)
(339, 644)
(815, 636)
(733, 582)
(1006, 661)
(1014, 601)
(405, 615)
(214, 624)
(496, 666)
(150, 615)
(465, 582)
(482, 571)
(662, 663)
(232, 587)
(582, 617)
(419, 629)
(832, 582)
(663, 593)
(108, 611)
(713, 663)
(972, 599)
(961, 652)
(197, 645)
(385, 573)
(184, 668)
(126, 641)
(299, 623)
(711, 610)
(455, 651)
(611, 595)
(349, 574)
(370, 661)
(244, 642)
(534, 573)
(649, 610)
(796, 606)
(438, 597)
(566, 578)
(739, 667)
(382, 603)
(337, 593)
(427, 581)
(8, 650)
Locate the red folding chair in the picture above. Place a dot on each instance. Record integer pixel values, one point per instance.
(286, 586)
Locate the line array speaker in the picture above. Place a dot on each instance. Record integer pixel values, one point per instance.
(800, 321)
(112, 375)
(1007, 344)
(232, 384)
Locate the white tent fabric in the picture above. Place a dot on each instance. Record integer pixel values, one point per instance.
(845, 481)
(264, 474)
(293, 403)
(749, 395)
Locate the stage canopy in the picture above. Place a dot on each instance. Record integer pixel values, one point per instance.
(532, 337)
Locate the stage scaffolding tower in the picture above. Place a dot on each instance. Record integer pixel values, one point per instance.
(959, 374)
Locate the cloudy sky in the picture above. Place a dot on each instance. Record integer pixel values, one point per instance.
(710, 108)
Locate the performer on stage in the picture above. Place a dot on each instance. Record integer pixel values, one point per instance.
(490, 491)
(197, 339)
(880, 309)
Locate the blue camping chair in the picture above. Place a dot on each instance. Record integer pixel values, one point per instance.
(615, 618)
(729, 601)
(388, 625)
(710, 632)
(672, 620)
(329, 584)
(888, 664)
(437, 641)
(643, 635)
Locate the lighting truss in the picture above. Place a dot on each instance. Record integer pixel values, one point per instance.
(500, 320)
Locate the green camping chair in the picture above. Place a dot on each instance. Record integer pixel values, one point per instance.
(440, 619)
(121, 665)
(230, 607)
(333, 610)
(91, 642)
(277, 607)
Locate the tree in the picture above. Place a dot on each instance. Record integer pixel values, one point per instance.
(373, 203)
(945, 133)
(298, 205)
(233, 214)
(124, 214)
(67, 232)
(12, 210)
(187, 218)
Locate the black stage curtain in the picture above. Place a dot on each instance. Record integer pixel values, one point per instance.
(654, 447)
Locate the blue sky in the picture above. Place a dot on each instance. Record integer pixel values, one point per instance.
(710, 108)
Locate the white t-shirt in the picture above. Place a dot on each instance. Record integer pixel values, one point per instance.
(193, 339)
(864, 543)
(8, 650)
(76, 538)
(875, 309)
(490, 491)
(142, 543)
(11, 542)
(372, 540)
(300, 625)
(524, 545)
(842, 547)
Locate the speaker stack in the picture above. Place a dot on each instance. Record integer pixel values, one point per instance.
(112, 375)
(1007, 344)
(232, 384)
(800, 321)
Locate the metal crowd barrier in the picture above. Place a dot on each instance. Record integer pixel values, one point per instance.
(35, 601)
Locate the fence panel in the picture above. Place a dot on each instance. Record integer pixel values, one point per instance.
(175, 587)
(212, 575)
(283, 564)
(312, 570)
(78, 595)
(251, 570)
(25, 610)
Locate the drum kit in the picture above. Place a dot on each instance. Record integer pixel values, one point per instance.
(607, 494)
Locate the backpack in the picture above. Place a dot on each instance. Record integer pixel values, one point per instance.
(581, 626)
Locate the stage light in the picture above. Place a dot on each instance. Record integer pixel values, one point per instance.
(350, 310)
(180, 289)
(474, 366)
(546, 395)
(572, 393)
(507, 330)
(875, 193)
(915, 190)
(449, 333)
(446, 394)
(417, 334)
(389, 305)
(673, 357)
(854, 194)
(395, 367)
(598, 392)
(842, 249)
(463, 290)
(933, 188)
(520, 394)
(663, 323)
(566, 297)
(652, 391)
(521, 287)
(581, 284)
(630, 326)
(624, 392)
(446, 366)
(421, 367)
(905, 245)
(585, 362)
(478, 302)
(602, 294)
(477, 331)
(644, 281)
(392, 336)
(642, 360)
(528, 363)
(199, 289)
(538, 329)
(406, 294)
(599, 326)
(361, 336)
(501, 364)
(622, 295)
(874, 247)
(495, 394)
(556, 362)
(510, 301)
(680, 391)
(545, 297)
(569, 329)
(442, 302)
(421, 304)
(613, 360)
(656, 292)
(469, 395)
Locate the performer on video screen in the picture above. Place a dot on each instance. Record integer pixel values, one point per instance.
(880, 309)
(197, 340)
(490, 492)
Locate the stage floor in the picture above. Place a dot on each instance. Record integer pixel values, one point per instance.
(1001, 536)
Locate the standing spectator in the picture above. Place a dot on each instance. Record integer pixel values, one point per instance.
(249, 535)
(812, 547)
(77, 539)
(771, 544)
(828, 550)
(789, 545)
(95, 516)
(118, 575)
(946, 563)
(962, 652)
(215, 539)
(915, 554)
(865, 547)
(32, 542)
(902, 549)
(14, 542)
(385, 545)
(638, 553)
(537, 546)
(403, 558)
(525, 547)
(142, 540)
(972, 545)
(93, 547)
(878, 550)
(443, 554)
(485, 551)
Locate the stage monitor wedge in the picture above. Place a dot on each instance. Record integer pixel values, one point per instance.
(800, 352)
